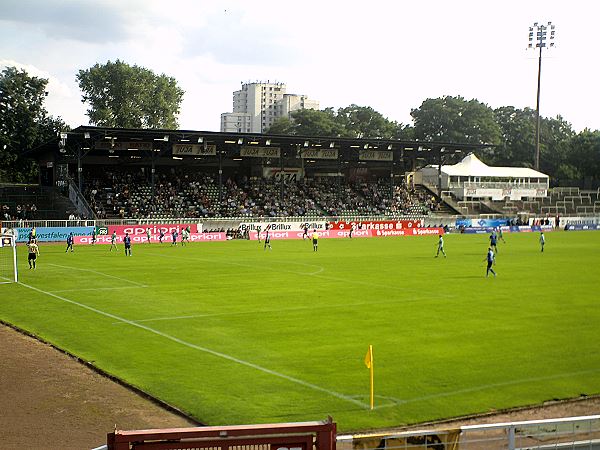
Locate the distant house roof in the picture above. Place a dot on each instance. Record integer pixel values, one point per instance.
(472, 166)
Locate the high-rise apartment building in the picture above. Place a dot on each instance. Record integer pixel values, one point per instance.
(257, 105)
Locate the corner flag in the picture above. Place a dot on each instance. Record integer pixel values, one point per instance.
(369, 364)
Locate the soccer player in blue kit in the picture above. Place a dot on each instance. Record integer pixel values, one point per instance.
(69, 242)
(127, 242)
(491, 260)
(494, 241)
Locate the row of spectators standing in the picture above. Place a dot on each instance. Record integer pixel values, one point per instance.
(19, 212)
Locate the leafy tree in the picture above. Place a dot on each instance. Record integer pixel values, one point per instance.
(309, 122)
(518, 135)
(283, 125)
(365, 122)
(555, 146)
(454, 119)
(24, 123)
(403, 132)
(584, 156)
(120, 95)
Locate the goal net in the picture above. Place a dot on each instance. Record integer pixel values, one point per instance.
(8, 258)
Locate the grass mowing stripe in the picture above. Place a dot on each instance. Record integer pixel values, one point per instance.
(99, 273)
(203, 349)
(280, 310)
(251, 266)
(316, 274)
(489, 386)
(116, 288)
(448, 342)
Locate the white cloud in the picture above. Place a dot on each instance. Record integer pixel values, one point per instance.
(386, 54)
(62, 99)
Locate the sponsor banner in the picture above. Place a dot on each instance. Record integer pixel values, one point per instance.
(141, 229)
(116, 145)
(375, 155)
(288, 174)
(514, 193)
(282, 226)
(582, 227)
(260, 152)
(408, 232)
(529, 229)
(477, 230)
(376, 225)
(520, 229)
(511, 229)
(345, 233)
(323, 234)
(142, 239)
(52, 234)
(194, 149)
(481, 222)
(324, 153)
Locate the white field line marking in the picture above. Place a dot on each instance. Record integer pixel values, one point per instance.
(204, 349)
(490, 386)
(279, 310)
(252, 266)
(100, 289)
(325, 277)
(99, 273)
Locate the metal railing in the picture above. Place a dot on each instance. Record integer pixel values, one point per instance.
(570, 432)
(496, 185)
(79, 201)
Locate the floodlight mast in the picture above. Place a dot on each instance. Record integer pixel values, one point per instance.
(537, 39)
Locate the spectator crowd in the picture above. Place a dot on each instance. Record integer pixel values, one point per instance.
(119, 193)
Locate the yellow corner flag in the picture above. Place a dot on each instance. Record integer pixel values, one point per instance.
(369, 364)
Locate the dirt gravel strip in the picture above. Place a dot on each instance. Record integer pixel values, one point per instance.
(49, 400)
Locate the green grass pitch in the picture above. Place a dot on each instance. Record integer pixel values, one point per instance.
(233, 334)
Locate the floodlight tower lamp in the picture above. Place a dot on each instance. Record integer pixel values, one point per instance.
(538, 34)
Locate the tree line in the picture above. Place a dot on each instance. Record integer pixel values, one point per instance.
(568, 157)
(123, 96)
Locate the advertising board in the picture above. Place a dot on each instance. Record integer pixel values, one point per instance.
(481, 222)
(408, 232)
(376, 225)
(154, 239)
(141, 229)
(52, 234)
(582, 227)
(345, 233)
(282, 226)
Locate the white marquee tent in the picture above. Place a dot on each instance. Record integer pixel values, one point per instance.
(471, 179)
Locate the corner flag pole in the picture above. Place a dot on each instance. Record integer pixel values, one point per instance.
(369, 364)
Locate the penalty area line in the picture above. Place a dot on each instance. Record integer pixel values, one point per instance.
(203, 349)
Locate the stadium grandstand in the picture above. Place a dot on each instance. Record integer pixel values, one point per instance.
(112, 174)
(158, 174)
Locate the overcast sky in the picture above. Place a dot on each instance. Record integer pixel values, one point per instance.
(390, 55)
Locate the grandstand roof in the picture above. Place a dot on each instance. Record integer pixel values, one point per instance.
(472, 166)
(85, 139)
